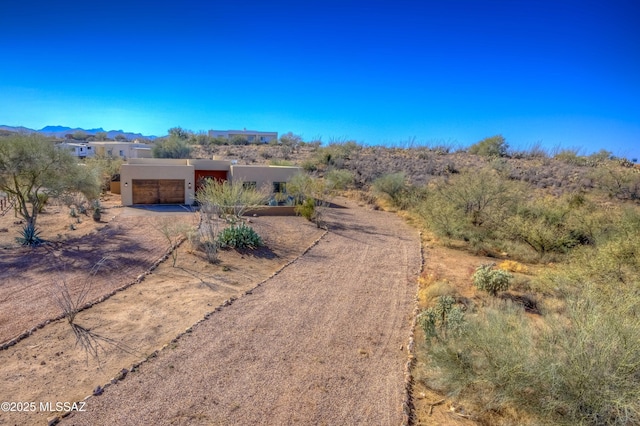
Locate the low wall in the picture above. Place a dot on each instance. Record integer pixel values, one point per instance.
(114, 187)
(272, 211)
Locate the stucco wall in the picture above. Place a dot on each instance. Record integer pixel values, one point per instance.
(210, 164)
(263, 175)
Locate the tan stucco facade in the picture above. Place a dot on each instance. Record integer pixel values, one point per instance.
(172, 169)
(263, 175)
(121, 149)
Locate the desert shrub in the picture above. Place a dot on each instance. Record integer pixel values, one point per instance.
(29, 235)
(393, 185)
(494, 146)
(43, 198)
(336, 154)
(491, 280)
(306, 209)
(280, 162)
(239, 140)
(230, 199)
(470, 206)
(571, 156)
(552, 224)
(309, 165)
(513, 266)
(339, 179)
(442, 320)
(617, 182)
(171, 147)
(583, 369)
(534, 151)
(240, 237)
(311, 196)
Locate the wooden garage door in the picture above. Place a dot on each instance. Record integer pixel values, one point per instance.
(158, 191)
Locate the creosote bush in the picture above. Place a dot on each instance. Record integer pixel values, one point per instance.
(395, 187)
(494, 146)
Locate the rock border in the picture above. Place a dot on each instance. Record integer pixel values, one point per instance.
(408, 415)
(99, 390)
(139, 278)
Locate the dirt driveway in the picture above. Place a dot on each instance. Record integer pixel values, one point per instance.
(323, 342)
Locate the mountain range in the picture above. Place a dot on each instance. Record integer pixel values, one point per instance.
(61, 131)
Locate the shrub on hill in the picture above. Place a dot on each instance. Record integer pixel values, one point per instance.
(494, 146)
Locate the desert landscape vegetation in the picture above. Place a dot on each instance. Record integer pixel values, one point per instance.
(418, 284)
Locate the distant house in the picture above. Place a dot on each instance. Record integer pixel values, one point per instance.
(251, 135)
(77, 149)
(123, 150)
(174, 181)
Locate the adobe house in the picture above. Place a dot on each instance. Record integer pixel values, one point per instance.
(252, 136)
(121, 149)
(171, 181)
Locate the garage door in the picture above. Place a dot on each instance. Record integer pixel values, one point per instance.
(158, 191)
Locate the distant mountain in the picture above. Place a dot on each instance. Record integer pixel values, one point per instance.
(61, 131)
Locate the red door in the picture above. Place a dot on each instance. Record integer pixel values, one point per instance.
(201, 175)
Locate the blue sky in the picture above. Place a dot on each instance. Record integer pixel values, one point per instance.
(559, 73)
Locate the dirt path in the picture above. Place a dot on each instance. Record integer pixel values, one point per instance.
(323, 342)
(49, 366)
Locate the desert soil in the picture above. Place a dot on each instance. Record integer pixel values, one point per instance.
(48, 365)
(30, 277)
(322, 342)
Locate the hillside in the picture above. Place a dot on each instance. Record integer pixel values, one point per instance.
(60, 132)
(546, 332)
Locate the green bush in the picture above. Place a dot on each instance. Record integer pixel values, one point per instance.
(470, 206)
(172, 147)
(339, 179)
(307, 209)
(491, 280)
(42, 198)
(394, 186)
(553, 225)
(582, 368)
(494, 146)
(240, 237)
(442, 320)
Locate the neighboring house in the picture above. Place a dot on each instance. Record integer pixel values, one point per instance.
(80, 150)
(251, 135)
(123, 150)
(172, 181)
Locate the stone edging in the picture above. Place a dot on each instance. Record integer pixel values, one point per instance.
(407, 403)
(102, 298)
(123, 373)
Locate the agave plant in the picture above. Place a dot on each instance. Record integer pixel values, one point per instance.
(29, 236)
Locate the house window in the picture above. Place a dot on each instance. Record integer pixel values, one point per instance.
(279, 187)
(121, 153)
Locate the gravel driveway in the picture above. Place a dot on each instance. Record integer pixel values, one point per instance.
(323, 342)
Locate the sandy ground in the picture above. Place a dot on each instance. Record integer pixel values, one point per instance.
(31, 277)
(48, 366)
(323, 342)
